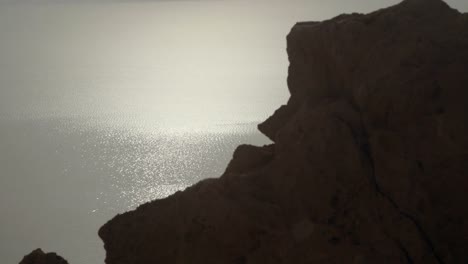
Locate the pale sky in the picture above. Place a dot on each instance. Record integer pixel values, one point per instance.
(60, 57)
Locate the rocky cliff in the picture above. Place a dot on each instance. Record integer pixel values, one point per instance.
(369, 162)
(39, 257)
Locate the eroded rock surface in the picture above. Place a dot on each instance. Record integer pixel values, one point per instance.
(39, 257)
(369, 161)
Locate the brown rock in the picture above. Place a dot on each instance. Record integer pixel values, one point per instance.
(39, 257)
(369, 161)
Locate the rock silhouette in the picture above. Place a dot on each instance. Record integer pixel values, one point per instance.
(369, 161)
(39, 257)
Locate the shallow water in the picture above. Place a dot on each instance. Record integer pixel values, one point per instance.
(61, 179)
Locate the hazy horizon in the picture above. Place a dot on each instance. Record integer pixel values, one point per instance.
(63, 58)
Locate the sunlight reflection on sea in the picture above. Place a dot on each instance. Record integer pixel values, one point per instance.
(67, 176)
(140, 162)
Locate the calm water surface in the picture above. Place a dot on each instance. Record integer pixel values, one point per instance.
(107, 106)
(61, 179)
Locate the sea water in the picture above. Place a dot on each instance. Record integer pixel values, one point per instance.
(105, 106)
(61, 179)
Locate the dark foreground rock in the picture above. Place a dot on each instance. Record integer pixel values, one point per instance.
(369, 162)
(39, 257)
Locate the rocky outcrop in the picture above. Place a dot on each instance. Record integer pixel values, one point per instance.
(39, 257)
(369, 161)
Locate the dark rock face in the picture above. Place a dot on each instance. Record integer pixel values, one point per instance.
(369, 163)
(39, 257)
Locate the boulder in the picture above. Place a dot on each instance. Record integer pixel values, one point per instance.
(39, 257)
